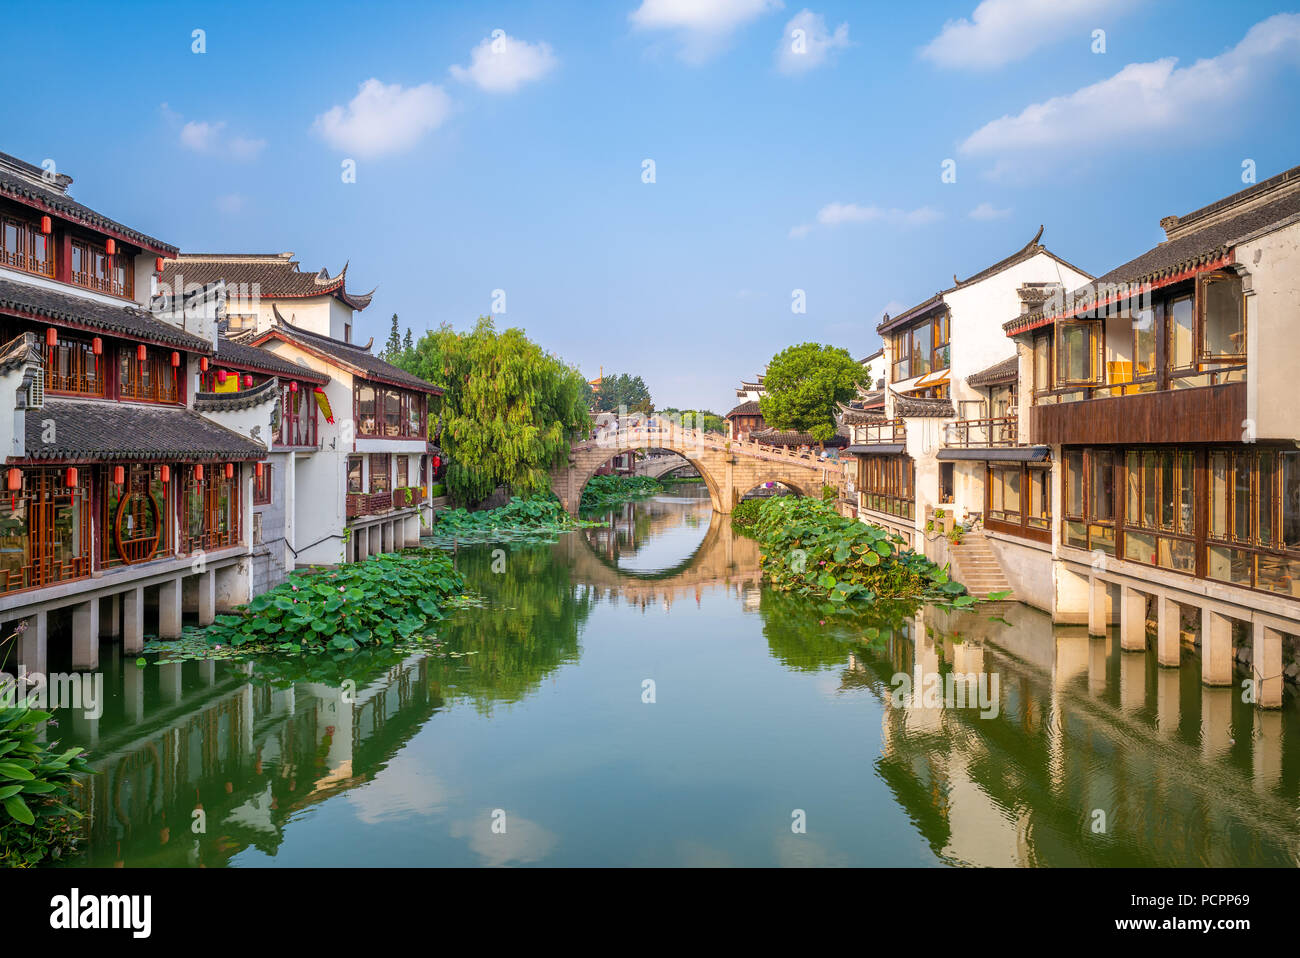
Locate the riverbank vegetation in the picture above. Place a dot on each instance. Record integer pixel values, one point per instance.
(510, 410)
(377, 602)
(603, 491)
(809, 549)
(36, 779)
(528, 518)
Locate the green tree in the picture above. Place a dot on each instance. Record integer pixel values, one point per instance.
(623, 390)
(394, 344)
(705, 419)
(408, 343)
(803, 385)
(509, 412)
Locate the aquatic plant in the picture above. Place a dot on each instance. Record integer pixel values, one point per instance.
(35, 823)
(602, 491)
(810, 549)
(376, 602)
(530, 519)
(745, 515)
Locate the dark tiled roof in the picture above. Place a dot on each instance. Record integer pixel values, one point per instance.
(1028, 251)
(356, 358)
(268, 391)
(750, 408)
(109, 430)
(24, 182)
(242, 355)
(788, 437)
(857, 416)
(1007, 371)
(1196, 240)
(273, 275)
(23, 348)
(132, 322)
(923, 408)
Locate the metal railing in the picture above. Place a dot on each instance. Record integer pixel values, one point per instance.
(1001, 431)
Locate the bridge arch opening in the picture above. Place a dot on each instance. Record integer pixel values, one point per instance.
(773, 487)
(581, 476)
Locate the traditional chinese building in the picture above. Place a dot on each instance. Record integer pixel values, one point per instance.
(123, 505)
(1165, 391)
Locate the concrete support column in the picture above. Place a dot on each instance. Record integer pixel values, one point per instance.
(1101, 612)
(1132, 620)
(207, 586)
(85, 635)
(1267, 666)
(1216, 648)
(34, 644)
(169, 609)
(133, 620)
(1169, 647)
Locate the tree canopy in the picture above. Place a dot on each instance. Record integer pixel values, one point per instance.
(803, 385)
(705, 419)
(622, 390)
(509, 412)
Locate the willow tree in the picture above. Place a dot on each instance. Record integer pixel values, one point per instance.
(509, 412)
(804, 383)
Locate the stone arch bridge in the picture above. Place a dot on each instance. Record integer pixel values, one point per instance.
(730, 467)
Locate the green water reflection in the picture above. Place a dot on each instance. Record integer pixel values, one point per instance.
(533, 713)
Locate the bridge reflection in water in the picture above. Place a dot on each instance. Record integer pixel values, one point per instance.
(1183, 774)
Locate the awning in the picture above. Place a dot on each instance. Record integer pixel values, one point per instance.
(998, 454)
(937, 378)
(879, 449)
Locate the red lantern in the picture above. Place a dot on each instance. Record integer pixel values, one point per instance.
(110, 247)
(203, 363)
(259, 470)
(437, 463)
(71, 477)
(51, 337)
(97, 346)
(221, 376)
(158, 265)
(198, 473)
(47, 225)
(15, 480)
(230, 470)
(248, 381)
(176, 360)
(141, 352)
(293, 387)
(166, 476)
(119, 475)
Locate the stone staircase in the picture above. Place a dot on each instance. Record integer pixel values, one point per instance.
(976, 567)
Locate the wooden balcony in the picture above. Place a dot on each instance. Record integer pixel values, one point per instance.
(967, 433)
(1200, 414)
(879, 433)
(379, 503)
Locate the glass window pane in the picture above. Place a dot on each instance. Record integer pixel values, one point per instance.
(1168, 505)
(1073, 462)
(1181, 326)
(1150, 487)
(1186, 478)
(1133, 512)
(1291, 499)
(1241, 496)
(1225, 331)
(1144, 342)
(1219, 494)
(1264, 505)
(1101, 506)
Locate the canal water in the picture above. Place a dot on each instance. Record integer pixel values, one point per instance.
(632, 695)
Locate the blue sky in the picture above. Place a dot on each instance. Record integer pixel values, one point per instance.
(518, 166)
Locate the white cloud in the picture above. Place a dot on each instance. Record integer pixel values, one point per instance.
(704, 26)
(230, 204)
(384, 119)
(837, 214)
(204, 137)
(812, 46)
(1143, 100)
(1002, 31)
(502, 64)
(987, 211)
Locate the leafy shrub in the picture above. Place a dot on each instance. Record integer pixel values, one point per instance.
(35, 824)
(603, 491)
(810, 549)
(745, 515)
(830, 493)
(437, 489)
(375, 602)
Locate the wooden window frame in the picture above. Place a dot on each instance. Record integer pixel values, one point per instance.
(80, 356)
(141, 489)
(23, 258)
(1024, 528)
(262, 488)
(84, 277)
(132, 386)
(43, 494)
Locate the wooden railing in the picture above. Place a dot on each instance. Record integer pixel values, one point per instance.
(876, 433)
(378, 503)
(1001, 431)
